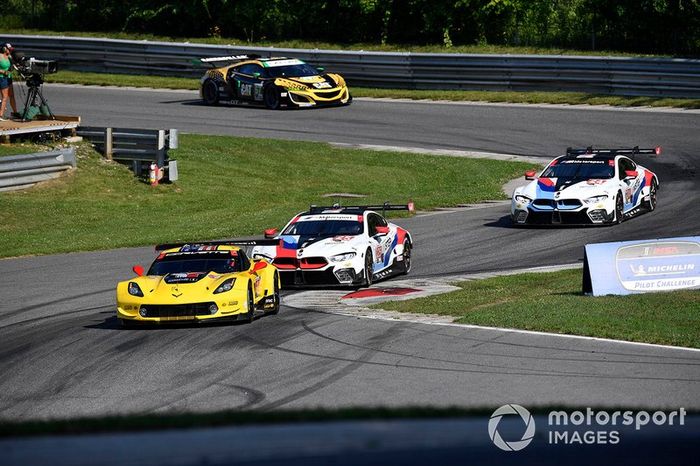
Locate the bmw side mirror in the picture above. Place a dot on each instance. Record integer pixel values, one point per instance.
(530, 174)
(138, 270)
(631, 174)
(382, 230)
(270, 233)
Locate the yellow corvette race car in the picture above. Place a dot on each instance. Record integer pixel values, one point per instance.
(200, 282)
(274, 82)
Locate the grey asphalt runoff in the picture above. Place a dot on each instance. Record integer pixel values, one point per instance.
(377, 442)
(63, 355)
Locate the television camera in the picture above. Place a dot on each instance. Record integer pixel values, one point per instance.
(32, 71)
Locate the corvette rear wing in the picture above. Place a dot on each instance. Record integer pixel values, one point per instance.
(315, 209)
(239, 243)
(612, 152)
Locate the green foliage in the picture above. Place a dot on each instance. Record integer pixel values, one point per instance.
(640, 26)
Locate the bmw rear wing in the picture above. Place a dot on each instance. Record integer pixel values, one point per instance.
(656, 151)
(315, 209)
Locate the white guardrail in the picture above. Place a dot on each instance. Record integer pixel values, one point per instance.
(659, 77)
(23, 171)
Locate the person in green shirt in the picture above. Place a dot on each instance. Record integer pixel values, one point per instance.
(6, 90)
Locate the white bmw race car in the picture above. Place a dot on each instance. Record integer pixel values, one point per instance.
(587, 186)
(347, 246)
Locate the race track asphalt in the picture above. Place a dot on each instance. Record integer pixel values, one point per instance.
(62, 355)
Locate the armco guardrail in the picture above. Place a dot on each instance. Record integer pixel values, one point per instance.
(134, 145)
(23, 171)
(667, 77)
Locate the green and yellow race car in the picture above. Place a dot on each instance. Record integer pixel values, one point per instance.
(200, 282)
(273, 82)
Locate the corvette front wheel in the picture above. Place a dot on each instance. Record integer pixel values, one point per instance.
(250, 315)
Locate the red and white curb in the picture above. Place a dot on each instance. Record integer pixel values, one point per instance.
(356, 304)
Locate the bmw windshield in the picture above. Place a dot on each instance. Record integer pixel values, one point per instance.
(324, 228)
(581, 169)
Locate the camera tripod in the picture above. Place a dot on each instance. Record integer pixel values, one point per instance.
(34, 83)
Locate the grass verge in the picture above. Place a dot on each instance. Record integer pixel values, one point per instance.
(552, 302)
(228, 187)
(570, 98)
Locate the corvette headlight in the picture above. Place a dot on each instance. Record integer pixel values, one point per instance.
(343, 257)
(522, 199)
(135, 290)
(225, 286)
(594, 199)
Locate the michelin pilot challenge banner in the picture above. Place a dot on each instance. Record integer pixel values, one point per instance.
(642, 266)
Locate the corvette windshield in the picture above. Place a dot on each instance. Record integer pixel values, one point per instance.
(292, 71)
(324, 228)
(580, 169)
(195, 264)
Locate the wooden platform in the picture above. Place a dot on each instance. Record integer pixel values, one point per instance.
(16, 127)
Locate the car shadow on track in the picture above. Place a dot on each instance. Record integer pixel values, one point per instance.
(506, 222)
(112, 323)
(257, 107)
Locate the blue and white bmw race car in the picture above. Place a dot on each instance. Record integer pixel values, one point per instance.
(347, 246)
(587, 186)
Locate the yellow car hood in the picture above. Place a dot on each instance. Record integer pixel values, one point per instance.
(181, 287)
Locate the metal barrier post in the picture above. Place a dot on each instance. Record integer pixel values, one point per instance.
(108, 143)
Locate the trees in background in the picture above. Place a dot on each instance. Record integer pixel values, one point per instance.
(645, 26)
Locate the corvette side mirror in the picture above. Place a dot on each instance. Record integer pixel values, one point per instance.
(631, 174)
(382, 230)
(530, 174)
(259, 265)
(271, 233)
(138, 270)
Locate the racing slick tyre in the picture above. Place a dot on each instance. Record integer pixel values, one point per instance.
(368, 268)
(651, 203)
(210, 92)
(250, 315)
(406, 257)
(619, 209)
(271, 97)
(276, 296)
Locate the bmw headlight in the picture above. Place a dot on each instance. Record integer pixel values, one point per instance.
(522, 199)
(594, 199)
(343, 257)
(134, 289)
(225, 286)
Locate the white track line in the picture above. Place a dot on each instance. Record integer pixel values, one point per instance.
(391, 316)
